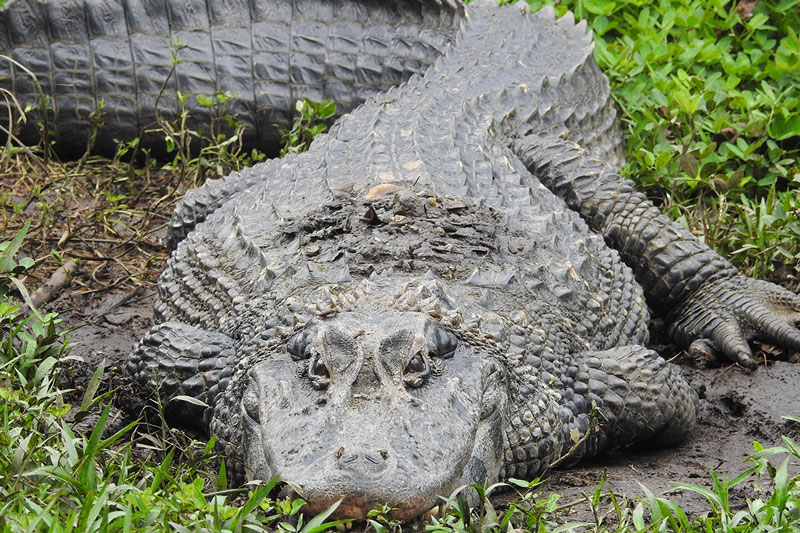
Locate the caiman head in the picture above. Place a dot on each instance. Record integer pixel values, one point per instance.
(383, 407)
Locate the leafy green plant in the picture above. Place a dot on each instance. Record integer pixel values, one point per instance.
(470, 508)
(96, 119)
(31, 345)
(197, 154)
(769, 510)
(771, 503)
(381, 520)
(307, 125)
(778, 511)
(709, 93)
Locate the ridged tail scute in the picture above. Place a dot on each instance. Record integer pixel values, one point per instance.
(269, 54)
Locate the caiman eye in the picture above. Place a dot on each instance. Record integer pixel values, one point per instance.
(318, 372)
(299, 346)
(250, 403)
(441, 342)
(417, 370)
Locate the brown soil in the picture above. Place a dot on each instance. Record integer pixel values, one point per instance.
(109, 302)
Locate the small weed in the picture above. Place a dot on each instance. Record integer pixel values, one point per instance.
(197, 155)
(96, 119)
(31, 345)
(380, 519)
(307, 125)
(469, 508)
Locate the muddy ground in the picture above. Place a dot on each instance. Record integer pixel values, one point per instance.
(737, 407)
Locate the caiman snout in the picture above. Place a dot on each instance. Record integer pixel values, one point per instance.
(363, 476)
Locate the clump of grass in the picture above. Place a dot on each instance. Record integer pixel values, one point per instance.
(31, 343)
(773, 504)
(709, 93)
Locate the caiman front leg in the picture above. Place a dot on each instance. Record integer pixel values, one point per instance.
(706, 299)
(179, 359)
(615, 397)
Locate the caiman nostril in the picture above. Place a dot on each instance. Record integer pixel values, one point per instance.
(347, 459)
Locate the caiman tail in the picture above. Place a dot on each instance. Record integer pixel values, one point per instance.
(136, 55)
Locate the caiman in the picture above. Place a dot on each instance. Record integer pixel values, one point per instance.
(452, 286)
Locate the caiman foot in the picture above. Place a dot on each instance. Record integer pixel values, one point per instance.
(724, 314)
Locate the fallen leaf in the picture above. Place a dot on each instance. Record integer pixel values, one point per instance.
(380, 190)
(745, 9)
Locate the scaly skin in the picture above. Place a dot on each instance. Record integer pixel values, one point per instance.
(269, 53)
(710, 304)
(450, 287)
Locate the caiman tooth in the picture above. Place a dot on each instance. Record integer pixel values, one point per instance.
(433, 512)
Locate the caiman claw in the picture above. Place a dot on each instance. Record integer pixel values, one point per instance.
(725, 313)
